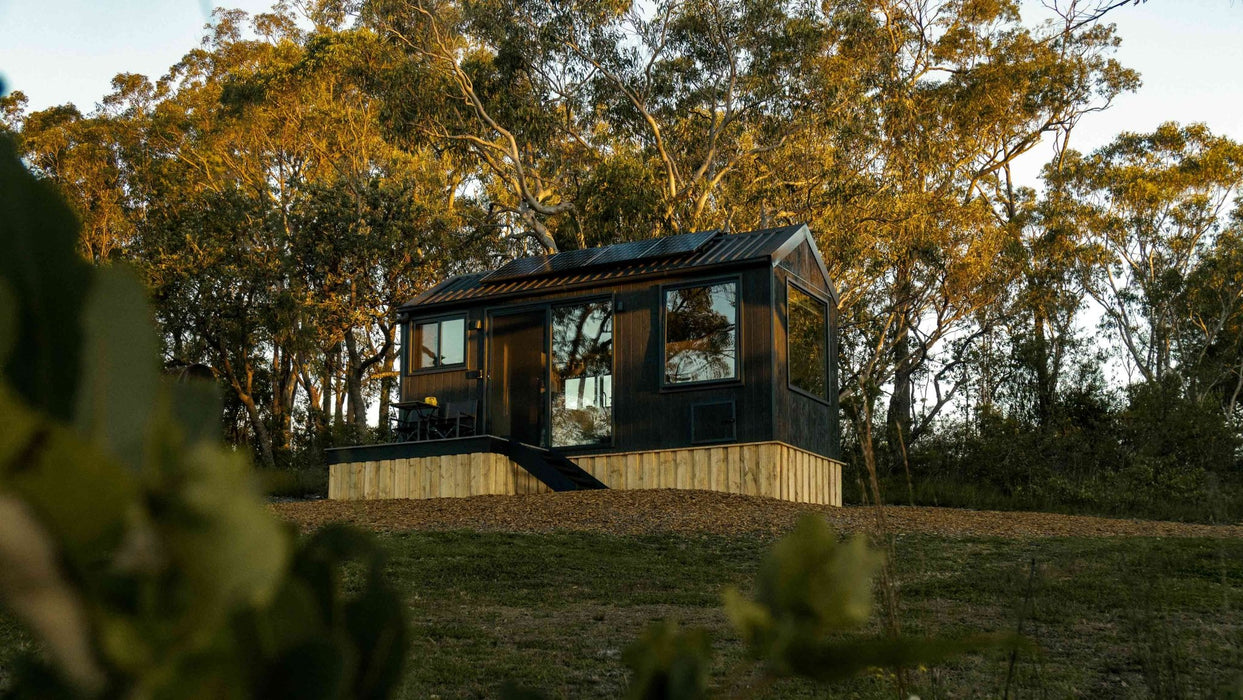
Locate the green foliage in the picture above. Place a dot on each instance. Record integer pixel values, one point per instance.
(1155, 453)
(808, 587)
(47, 280)
(668, 663)
(136, 548)
(813, 593)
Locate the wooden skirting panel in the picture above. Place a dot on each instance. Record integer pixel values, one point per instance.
(770, 469)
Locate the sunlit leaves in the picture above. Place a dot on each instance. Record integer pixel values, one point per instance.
(1150, 207)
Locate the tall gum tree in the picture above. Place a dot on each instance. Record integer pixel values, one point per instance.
(1152, 208)
(594, 122)
(910, 188)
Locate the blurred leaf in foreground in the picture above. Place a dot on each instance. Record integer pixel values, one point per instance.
(813, 593)
(133, 546)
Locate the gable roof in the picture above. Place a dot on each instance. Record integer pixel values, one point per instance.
(715, 250)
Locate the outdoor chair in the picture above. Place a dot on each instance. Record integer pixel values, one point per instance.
(405, 427)
(459, 420)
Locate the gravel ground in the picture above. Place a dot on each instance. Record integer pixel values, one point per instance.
(666, 510)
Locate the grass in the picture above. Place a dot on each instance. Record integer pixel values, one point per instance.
(1110, 617)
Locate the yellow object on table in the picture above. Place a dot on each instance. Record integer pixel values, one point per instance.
(430, 400)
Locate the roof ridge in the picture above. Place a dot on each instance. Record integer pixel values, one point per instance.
(537, 275)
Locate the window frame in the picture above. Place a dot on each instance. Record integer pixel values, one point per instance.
(828, 343)
(611, 300)
(411, 334)
(665, 384)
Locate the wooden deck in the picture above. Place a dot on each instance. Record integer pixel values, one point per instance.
(478, 466)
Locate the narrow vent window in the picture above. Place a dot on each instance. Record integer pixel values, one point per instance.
(713, 422)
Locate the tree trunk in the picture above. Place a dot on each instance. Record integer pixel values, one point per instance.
(244, 388)
(901, 403)
(316, 409)
(284, 388)
(357, 410)
(332, 392)
(261, 431)
(1046, 390)
(387, 379)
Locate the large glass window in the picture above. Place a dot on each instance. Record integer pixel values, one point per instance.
(582, 374)
(701, 333)
(439, 343)
(809, 343)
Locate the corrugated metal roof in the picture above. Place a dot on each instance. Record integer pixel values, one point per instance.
(723, 249)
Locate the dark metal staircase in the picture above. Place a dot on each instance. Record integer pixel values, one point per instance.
(555, 471)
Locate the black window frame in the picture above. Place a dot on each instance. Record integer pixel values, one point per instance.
(828, 344)
(665, 384)
(440, 320)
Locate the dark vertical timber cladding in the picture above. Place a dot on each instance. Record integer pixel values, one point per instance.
(651, 417)
(646, 417)
(801, 261)
(800, 420)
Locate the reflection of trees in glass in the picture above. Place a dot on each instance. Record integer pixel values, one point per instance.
(808, 343)
(582, 374)
(439, 343)
(701, 339)
(427, 340)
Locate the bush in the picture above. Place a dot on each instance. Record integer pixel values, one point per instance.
(1159, 456)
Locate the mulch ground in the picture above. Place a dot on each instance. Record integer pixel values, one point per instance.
(664, 510)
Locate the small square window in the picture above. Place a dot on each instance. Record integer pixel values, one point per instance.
(438, 343)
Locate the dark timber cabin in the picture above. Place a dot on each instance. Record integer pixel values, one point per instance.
(698, 361)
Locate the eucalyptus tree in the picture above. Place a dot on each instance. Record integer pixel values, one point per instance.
(593, 121)
(13, 112)
(909, 185)
(1211, 343)
(318, 225)
(1153, 207)
(83, 155)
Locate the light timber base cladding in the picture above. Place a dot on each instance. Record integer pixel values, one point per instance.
(770, 469)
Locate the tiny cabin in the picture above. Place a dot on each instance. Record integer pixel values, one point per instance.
(698, 361)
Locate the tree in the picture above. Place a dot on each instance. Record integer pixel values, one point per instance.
(594, 122)
(275, 223)
(83, 156)
(909, 189)
(1153, 206)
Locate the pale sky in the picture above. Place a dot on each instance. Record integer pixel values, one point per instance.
(1189, 53)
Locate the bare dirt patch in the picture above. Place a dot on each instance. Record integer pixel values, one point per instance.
(666, 510)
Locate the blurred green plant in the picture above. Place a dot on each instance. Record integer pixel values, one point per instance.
(813, 595)
(132, 544)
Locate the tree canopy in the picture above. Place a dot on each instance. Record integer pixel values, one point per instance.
(302, 172)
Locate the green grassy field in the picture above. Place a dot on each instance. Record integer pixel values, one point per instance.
(1110, 617)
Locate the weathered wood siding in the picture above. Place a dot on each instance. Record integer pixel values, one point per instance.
(771, 469)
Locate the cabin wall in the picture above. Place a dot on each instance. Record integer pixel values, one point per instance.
(800, 420)
(647, 416)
